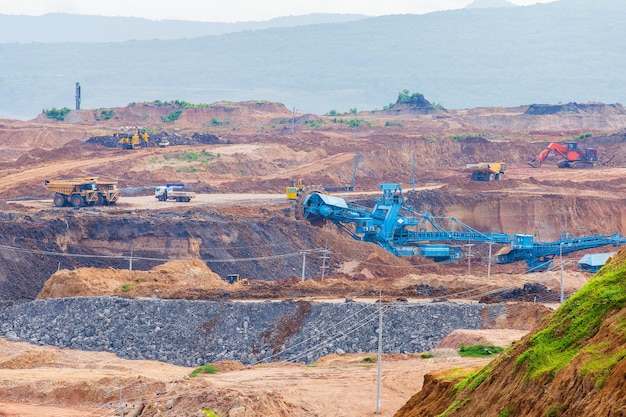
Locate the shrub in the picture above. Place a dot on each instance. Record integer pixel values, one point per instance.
(107, 114)
(57, 114)
(204, 369)
(216, 122)
(583, 136)
(173, 116)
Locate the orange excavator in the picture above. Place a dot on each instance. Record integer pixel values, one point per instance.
(574, 157)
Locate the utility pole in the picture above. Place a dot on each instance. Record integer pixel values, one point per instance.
(325, 256)
(303, 252)
(121, 406)
(469, 257)
(380, 348)
(130, 260)
(561, 259)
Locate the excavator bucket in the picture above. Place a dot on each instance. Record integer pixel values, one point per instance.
(534, 163)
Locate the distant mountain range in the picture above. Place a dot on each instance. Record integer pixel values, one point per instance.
(568, 50)
(59, 27)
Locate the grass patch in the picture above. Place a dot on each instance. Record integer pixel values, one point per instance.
(473, 379)
(453, 407)
(456, 373)
(555, 411)
(204, 369)
(127, 287)
(600, 365)
(369, 359)
(578, 320)
(506, 412)
(479, 351)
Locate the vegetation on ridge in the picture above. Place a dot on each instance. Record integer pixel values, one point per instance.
(585, 339)
(577, 321)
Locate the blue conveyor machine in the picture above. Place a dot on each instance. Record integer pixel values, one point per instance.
(395, 227)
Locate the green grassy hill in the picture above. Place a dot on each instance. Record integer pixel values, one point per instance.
(572, 365)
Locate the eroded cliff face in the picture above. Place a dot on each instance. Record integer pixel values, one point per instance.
(34, 249)
(543, 215)
(266, 244)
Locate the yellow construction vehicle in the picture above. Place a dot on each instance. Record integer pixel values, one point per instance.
(108, 193)
(295, 189)
(487, 171)
(136, 140)
(77, 192)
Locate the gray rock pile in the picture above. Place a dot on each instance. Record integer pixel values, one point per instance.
(192, 333)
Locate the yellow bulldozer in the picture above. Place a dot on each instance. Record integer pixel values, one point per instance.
(140, 139)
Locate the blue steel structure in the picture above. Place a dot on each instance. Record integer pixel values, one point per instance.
(396, 228)
(539, 255)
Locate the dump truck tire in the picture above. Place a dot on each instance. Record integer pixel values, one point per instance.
(59, 200)
(77, 201)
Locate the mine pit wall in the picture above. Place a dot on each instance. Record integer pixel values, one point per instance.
(192, 333)
(105, 240)
(272, 243)
(545, 216)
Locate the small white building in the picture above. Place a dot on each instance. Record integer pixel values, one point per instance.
(592, 262)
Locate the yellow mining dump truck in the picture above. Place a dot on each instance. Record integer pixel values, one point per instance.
(108, 193)
(487, 171)
(77, 192)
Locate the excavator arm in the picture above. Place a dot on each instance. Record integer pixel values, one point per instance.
(552, 148)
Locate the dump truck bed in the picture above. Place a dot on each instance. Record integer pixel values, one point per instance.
(64, 186)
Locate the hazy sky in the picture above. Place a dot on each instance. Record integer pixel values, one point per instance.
(231, 10)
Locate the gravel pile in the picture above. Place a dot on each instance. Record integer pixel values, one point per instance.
(192, 333)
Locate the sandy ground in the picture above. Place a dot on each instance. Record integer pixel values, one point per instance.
(338, 385)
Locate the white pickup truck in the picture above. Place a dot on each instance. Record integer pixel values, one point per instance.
(174, 192)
